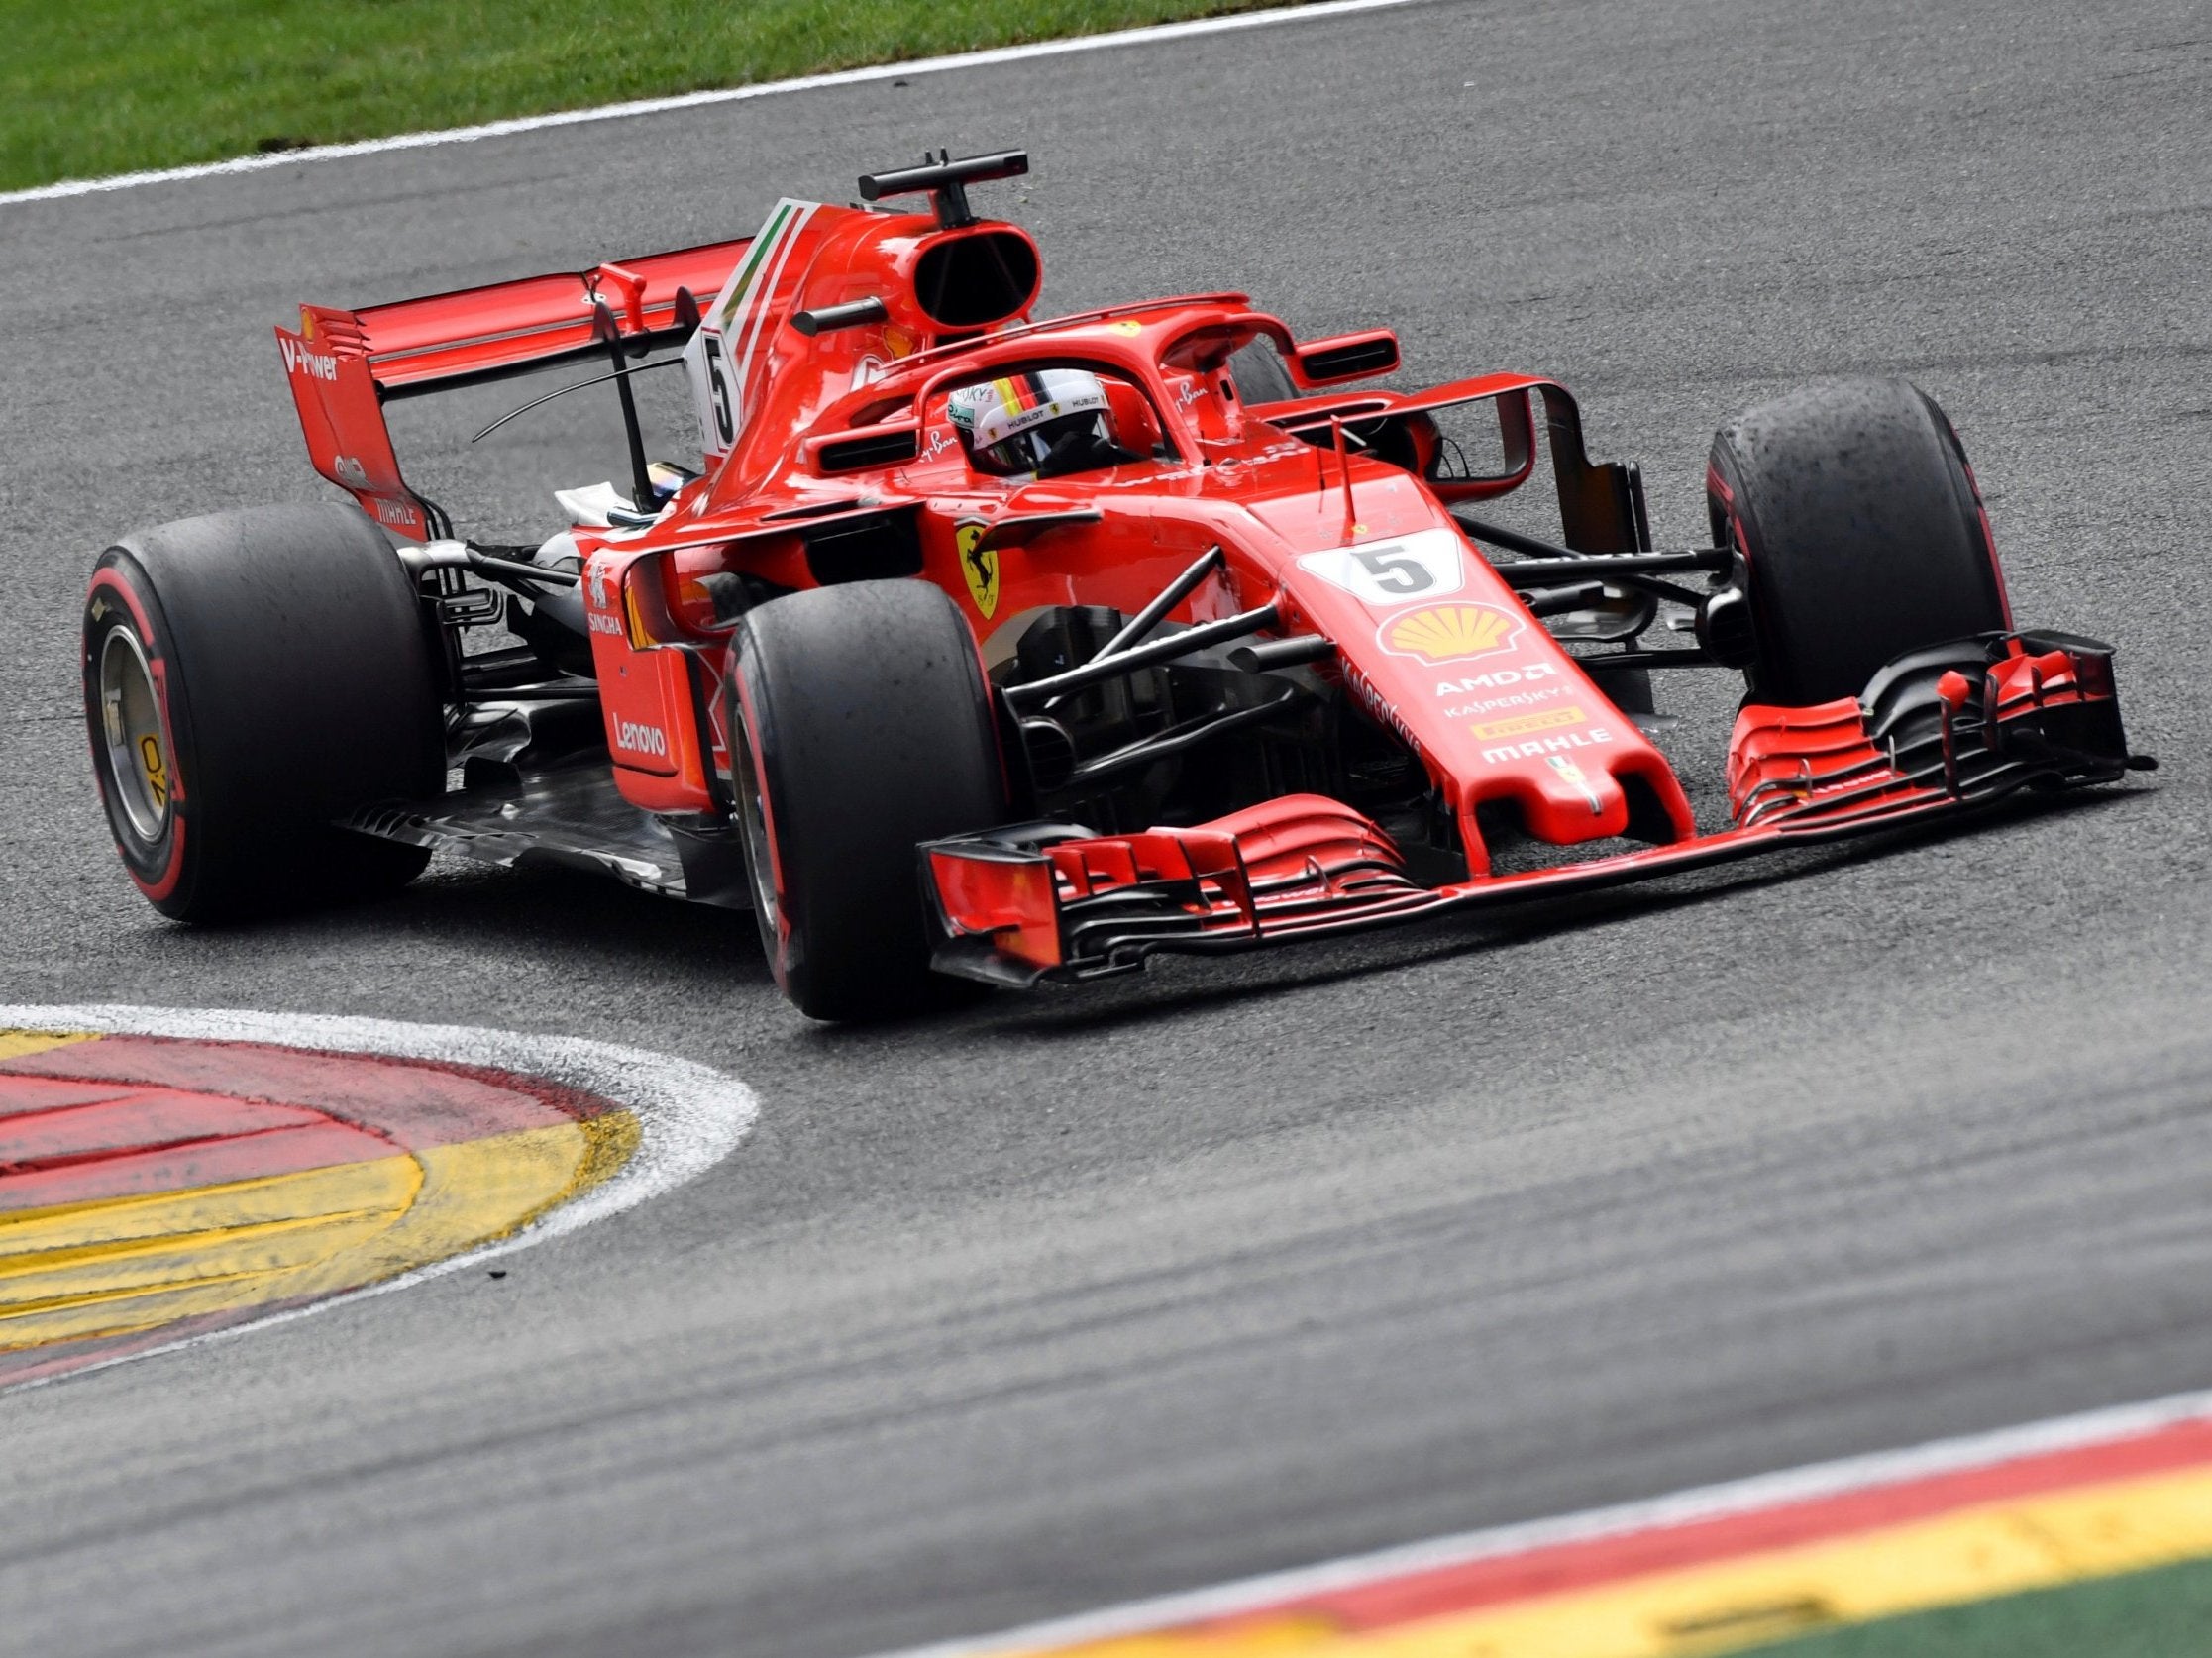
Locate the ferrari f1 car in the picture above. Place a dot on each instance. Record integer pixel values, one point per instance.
(981, 647)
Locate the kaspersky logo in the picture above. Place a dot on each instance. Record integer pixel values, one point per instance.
(1449, 632)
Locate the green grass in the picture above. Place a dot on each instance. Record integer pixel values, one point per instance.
(2162, 1613)
(103, 86)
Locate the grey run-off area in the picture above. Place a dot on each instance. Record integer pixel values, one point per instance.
(1243, 1264)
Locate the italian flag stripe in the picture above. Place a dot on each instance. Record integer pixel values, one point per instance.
(755, 256)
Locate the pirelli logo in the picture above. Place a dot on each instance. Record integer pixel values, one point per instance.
(1519, 726)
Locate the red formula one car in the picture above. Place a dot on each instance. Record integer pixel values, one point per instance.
(983, 648)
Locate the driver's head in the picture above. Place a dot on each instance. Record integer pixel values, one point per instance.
(1046, 421)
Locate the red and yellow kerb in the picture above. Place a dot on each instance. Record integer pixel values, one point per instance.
(151, 1190)
(1753, 1577)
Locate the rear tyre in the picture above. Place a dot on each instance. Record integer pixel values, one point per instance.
(1864, 532)
(860, 725)
(249, 678)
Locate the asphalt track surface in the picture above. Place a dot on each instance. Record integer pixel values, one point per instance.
(1242, 1264)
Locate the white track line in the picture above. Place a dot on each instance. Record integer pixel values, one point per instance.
(724, 95)
(689, 1116)
(1735, 1497)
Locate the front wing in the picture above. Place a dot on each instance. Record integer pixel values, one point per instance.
(1935, 733)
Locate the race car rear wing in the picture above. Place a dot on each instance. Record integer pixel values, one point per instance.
(345, 366)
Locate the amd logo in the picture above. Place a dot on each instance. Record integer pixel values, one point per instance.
(300, 360)
(639, 739)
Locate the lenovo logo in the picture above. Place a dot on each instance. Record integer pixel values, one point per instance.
(639, 739)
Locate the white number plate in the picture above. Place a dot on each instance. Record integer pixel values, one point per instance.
(1396, 569)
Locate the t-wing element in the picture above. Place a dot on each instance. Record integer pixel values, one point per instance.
(947, 180)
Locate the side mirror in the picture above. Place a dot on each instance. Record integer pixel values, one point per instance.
(1345, 357)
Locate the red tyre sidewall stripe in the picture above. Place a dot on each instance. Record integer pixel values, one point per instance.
(109, 580)
(749, 728)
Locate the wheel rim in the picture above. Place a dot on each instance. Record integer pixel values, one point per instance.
(140, 781)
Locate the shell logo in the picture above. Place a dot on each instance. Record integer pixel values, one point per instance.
(1449, 632)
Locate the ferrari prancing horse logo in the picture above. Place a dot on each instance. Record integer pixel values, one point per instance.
(979, 564)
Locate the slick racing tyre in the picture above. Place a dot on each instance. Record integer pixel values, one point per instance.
(1256, 370)
(249, 678)
(1852, 505)
(860, 725)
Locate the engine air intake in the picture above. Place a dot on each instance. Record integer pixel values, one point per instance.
(977, 278)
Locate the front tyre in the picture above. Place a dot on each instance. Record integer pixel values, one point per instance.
(860, 726)
(251, 678)
(1256, 370)
(1862, 531)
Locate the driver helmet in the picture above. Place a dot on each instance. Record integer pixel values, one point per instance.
(1041, 421)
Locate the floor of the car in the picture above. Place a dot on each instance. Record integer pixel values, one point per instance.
(572, 815)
